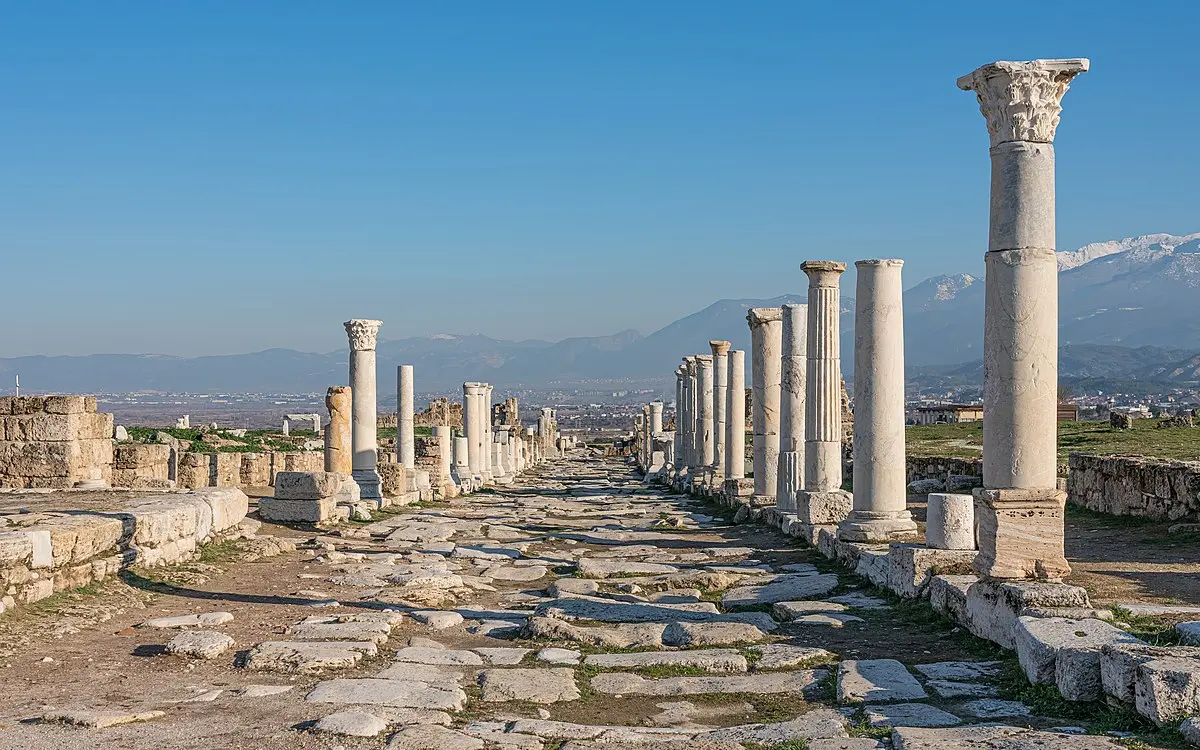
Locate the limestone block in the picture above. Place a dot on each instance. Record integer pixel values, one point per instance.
(16, 548)
(824, 508)
(1168, 689)
(876, 566)
(1020, 533)
(950, 521)
(228, 507)
(913, 566)
(69, 405)
(307, 485)
(315, 510)
(193, 470)
(1119, 664)
(255, 470)
(75, 539)
(993, 606)
(226, 469)
(393, 479)
(948, 596)
(1055, 650)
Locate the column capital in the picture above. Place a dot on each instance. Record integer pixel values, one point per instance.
(704, 360)
(823, 272)
(473, 389)
(362, 333)
(1021, 101)
(758, 316)
(720, 348)
(879, 263)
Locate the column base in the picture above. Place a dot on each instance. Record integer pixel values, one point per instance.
(740, 487)
(762, 501)
(823, 507)
(876, 526)
(1020, 533)
(368, 482)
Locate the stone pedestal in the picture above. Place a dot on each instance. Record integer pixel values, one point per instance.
(405, 439)
(879, 511)
(338, 441)
(363, 423)
(1019, 511)
(735, 418)
(766, 341)
(793, 374)
(720, 357)
(823, 499)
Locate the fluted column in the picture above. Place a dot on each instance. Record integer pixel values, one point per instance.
(363, 423)
(823, 501)
(766, 341)
(793, 375)
(735, 417)
(880, 478)
(406, 452)
(680, 459)
(1019, 511)
(720, 355)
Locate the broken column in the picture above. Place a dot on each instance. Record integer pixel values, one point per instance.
(338, 452)
(363, 424)
(880, 512)
(735, 423)
(823, 501)
(792, 376)
(405, 439)
(1019, 510)
(766, 341)
(720, 355)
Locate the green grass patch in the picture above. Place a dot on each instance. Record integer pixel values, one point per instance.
(1157, 631)
(220, 552)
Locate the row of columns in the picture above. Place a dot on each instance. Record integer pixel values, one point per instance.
(796, 371)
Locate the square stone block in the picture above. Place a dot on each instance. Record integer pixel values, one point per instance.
(314, 510)
(913, 566)
(1020, 533)
(994, 606)
(823, 508)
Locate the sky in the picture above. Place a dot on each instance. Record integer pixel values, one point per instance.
(218, 177)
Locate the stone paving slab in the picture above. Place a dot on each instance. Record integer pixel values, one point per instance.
(307, 657)
(621, 683)
(710, 660)
(876, 681)
(398, 693)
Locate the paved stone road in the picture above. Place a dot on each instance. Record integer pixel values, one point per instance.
(575, 609)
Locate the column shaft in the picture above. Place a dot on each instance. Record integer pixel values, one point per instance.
(735, 417)
(766, 339)
(405, 438)
(793, 375)
(363, 421)
(720, 354)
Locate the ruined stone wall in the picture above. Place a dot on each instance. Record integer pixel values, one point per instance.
(441, 412)
(241, 469)
(1134, 486)
(142, 465)
(953, 474)
(505, 414)
(53, 441)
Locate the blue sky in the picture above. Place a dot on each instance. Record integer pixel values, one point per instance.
(216, 177)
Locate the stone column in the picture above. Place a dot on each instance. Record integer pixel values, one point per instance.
(656, 417)
(735, 417)
(405, 439)
(792, 377)
(880, 479)
(720, 355)
(339, 455)
(472, 401)
(647, 440)
(689, 412)
(704, 379)
(462, 461)
(1019, 510)
(488, 434)
(766, 341)
(445, 440)
(363, 423)
(679, 457)
(823, 501)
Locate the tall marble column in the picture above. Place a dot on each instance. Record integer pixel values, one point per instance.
(406, 452)
(720, 355)
(766, 341)
(680, 459)
(1019, 510)
(793, 369)
(445, 440)
(472, 401)
(339, 451)
(735, 417)
(488, 434)
(363, 422)
(693, 453)
(823, 501)
(880, 478)
(704, 375)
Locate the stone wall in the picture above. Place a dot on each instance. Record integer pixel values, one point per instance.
(142, 465)
(242, 469)
(53, 441)
(441, 412)
(1134, 486)
(953, 474)
(59, 550)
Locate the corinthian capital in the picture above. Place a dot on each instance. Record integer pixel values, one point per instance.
(362, 333)
(1021, 101)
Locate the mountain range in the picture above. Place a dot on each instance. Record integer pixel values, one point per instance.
(1127, 308)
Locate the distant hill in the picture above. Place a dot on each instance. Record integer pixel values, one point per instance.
(1128, 309)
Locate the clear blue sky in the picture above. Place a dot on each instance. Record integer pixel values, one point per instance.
(216, 177)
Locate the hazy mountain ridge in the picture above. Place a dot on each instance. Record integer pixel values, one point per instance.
(1127, 308)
